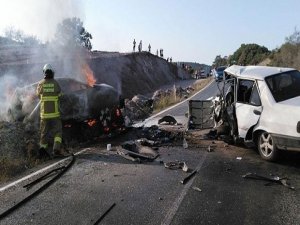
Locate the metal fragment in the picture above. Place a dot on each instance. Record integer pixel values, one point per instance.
(187, 178)
(283, 181)
(105, 213)
(196, 189)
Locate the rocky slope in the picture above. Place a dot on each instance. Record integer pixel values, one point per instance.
(130, 74)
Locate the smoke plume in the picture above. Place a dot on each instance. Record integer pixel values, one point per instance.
(38, 17)
(22, 65)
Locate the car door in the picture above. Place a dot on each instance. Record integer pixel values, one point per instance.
(248, 105)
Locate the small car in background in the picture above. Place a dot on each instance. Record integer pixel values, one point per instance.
(262, 106)
(219, 73)
(202, 74)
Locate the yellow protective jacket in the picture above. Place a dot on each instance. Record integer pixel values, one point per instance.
(48, 91)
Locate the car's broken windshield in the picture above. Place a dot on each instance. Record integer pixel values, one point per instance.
(285, 85)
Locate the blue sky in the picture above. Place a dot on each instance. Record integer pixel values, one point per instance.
(194, 30)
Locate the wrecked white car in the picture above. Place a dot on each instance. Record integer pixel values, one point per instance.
(261, 105)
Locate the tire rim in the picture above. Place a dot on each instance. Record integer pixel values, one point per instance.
(266, 144)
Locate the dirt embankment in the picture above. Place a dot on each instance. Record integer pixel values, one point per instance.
(130, 74)
(136, 73)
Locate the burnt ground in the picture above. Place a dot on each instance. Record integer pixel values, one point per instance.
(148, 193)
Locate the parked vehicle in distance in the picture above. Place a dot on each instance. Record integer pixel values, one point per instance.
(203, 74)
(219, 73)
(262, 106)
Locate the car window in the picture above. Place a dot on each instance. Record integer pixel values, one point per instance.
(244, 90)
(285, 85)
(255, 99)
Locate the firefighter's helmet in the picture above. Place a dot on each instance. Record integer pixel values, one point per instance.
(47, 67)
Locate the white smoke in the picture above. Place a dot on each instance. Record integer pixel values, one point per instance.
(38, 17)
(8, 83)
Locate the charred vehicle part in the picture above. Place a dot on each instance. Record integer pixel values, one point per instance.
(81, 105)
(260, 105)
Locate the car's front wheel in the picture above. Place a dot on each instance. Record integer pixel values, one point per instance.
(266, 147)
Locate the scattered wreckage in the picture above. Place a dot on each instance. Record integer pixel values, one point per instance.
(147, 142)
(139, 150)
(260, 105)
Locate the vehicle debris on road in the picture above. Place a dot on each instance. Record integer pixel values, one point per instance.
(209, 149)
(176, 165)
(187, 178)
(105, 213)
(185, 144)
(155, 134)
(196, 189)
(168, 119)
(136, 152)
(275, 179)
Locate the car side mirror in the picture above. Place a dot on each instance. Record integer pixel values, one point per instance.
(257, 112)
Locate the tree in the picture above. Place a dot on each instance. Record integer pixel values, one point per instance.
(220, 61)
(18, 36)
(71, 33)
(249, 54)
(294, 38)
(288, 55)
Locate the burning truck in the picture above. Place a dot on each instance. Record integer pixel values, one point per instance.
(97, 107)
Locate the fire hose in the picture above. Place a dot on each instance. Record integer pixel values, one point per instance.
(33, 112)
(38, 191)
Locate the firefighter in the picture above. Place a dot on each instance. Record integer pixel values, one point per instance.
(48, 91)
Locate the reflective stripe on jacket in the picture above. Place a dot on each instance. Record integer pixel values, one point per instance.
(48, 91)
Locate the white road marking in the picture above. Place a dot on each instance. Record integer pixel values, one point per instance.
(15, 183)
(172, 211)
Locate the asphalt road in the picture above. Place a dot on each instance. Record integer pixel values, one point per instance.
(148, 193)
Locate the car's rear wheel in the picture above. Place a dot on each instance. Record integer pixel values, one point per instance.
(266, 146)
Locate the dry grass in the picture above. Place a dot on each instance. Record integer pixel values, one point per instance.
(200, 85)
(11, 167)
(165, 102)
(170, 100)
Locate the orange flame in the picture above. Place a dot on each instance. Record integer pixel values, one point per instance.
(88, 73)
(91, 122)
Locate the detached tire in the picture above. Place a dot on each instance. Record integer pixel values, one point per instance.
(266, 147)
